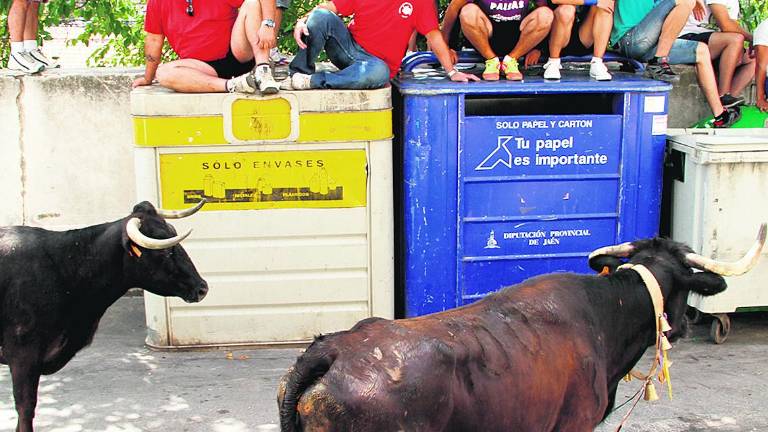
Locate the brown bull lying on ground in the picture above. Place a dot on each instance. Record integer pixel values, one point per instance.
(55, 287)
(544, 355)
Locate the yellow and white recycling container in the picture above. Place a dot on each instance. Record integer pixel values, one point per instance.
(296, 237)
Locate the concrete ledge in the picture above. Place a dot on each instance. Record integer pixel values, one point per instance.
(10, 152)
(687, 104)
(69, 157)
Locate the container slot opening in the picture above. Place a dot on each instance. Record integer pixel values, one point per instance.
(559, 104)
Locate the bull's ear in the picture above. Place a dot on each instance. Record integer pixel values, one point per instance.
(601, 262)
(705, 283)
(129, 246)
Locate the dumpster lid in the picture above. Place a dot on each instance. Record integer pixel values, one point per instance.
(158, 101)
(573, 82)
(717, 143)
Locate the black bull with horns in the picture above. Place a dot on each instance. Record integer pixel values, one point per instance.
(55, 287)
(544, 355)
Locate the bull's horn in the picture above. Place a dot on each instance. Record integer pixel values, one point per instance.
(736, 268)
(178, 214)
(622, 250)
(132, 228)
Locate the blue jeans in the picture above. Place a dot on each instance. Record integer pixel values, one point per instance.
(640, 42)
(357, 68)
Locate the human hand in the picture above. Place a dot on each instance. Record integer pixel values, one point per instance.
(454, 56)
(140, 81)
(300, 30)
(463, 77)
(762, 105)
(532, 58)
(699, 11)
(267, 38)
(607, 5)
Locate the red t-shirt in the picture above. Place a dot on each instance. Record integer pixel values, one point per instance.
(204, 36)
(383, 27)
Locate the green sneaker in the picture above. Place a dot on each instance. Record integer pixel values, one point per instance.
(511, 69)
(491, 72)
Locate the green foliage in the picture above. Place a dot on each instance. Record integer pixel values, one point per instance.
(120, 22)
(753, 12)
(298, 9)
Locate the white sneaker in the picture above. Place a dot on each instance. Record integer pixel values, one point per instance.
(599, 71)
(552, 71)
(23, 62)
(39, 56)
(286, 84)
(267, 84)
(245, 83)
(300, 81)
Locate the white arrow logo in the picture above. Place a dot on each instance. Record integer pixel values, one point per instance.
(497, 156)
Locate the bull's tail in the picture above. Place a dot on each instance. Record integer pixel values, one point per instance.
(309, 367)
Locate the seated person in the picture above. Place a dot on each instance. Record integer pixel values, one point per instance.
(735, 70)
(760, 42)
(589, 35)
(500, 28)
(223, 46)
(369, 52)
(647, 31)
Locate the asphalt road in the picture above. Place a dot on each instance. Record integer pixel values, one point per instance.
(119, 385)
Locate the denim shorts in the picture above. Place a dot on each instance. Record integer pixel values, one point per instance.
(640, 42)
(283, 4)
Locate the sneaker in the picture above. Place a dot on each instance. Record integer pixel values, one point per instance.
(729, 101)
(599, 71)
(511, 69)
(492, 67)
(39, 56)
(552, 70)
(245, 83)
(277, 58)
(727, 118)
(267, 84)
(659, 68)
(300, 81)
(286, 84)
(23, 62)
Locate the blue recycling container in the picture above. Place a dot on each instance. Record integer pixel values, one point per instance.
(502, 181)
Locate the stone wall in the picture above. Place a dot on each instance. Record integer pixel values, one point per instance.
(687, 104)
(66, 157)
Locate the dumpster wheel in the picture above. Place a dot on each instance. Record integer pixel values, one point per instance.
(721, 327)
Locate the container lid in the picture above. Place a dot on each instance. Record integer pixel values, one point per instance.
(716, 143)
(158, 101)
(423, 83)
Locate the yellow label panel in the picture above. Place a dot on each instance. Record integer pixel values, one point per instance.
(255, 119)
(178, 131)
(345, 126)
(267, 120)
(264, 180)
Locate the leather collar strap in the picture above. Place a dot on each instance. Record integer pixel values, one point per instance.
(653, 287)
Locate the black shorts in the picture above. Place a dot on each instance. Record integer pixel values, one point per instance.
(698, 37)
(575, 47)
(229, 66)
(504, 37)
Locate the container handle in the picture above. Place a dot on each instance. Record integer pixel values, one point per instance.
(470, 56)
(421, 57)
